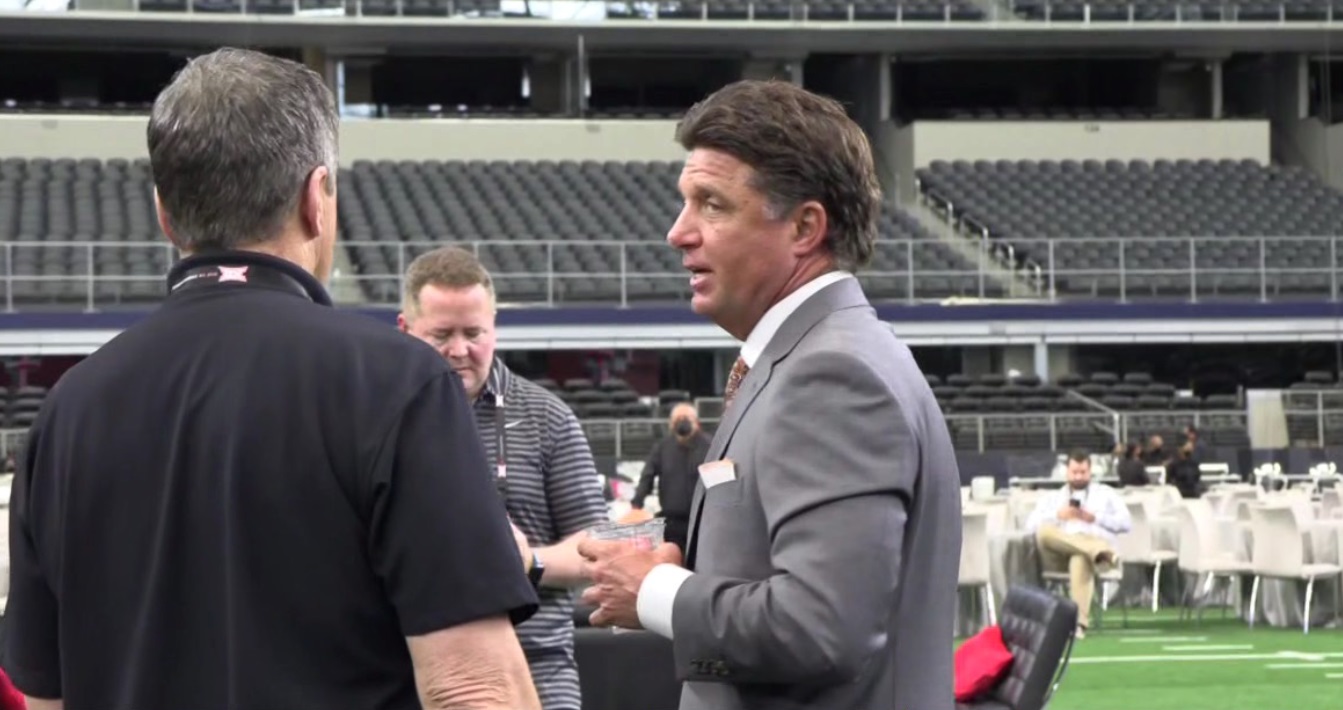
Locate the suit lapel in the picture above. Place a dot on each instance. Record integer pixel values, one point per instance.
(750, 387)
(837, 296)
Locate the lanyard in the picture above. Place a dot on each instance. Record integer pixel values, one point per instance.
(501, 448)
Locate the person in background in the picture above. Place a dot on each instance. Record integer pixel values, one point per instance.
(1131, 470)
(250, 498)
(1183, 472)
(540, 459)
(1076, 528)
(674, 465)
(1155, 453)
(1198, 452)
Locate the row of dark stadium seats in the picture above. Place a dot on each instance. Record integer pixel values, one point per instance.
(1114, 215)
(815, 10)
(552, 232)
(19, 406)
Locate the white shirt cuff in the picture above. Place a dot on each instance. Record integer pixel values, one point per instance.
(657, 597)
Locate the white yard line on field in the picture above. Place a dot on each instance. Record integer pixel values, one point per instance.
(1209, 657)
(1164, 639)
(1287, 666)
(1211, 647)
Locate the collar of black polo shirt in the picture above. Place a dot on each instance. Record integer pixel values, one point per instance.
(244, 269)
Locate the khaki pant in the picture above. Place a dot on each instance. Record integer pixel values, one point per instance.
(1075, 554)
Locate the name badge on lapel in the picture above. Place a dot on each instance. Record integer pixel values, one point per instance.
(716, 472)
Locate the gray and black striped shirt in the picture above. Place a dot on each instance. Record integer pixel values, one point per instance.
(553, 492)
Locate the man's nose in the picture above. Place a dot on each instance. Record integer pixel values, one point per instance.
(455, 348)
(682, 232)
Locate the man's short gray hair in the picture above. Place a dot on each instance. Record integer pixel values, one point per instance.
(232, 142)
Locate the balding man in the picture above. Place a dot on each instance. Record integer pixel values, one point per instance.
(675, 463)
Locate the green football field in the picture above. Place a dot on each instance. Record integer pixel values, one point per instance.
(1161, 663)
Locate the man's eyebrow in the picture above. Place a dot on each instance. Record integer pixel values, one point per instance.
(703, 191)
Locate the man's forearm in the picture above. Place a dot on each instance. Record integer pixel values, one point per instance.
(564, 566)
(44, 703)
(480, 696)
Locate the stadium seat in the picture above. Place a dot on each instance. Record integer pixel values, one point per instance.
(1137, 217)
(615, 213)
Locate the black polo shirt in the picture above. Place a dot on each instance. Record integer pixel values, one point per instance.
(248, 500)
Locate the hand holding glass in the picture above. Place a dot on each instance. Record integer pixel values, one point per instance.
(646, 535)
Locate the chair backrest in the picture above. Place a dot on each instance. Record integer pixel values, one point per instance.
(1298, 499)
(975, 567)
(1278, 545)
(1136, 544)
(1020, 504)
(1330, 501)
(1198, 535)
(635, 669)
(1038, 628)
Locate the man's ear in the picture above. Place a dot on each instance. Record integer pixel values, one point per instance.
(811, 225)
(165, 223)
(315, 202)
(402, 324)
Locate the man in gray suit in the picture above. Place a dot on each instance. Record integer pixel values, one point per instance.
(825, 537)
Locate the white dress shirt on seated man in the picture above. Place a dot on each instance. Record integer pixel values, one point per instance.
(1102, 501)
(657, 595)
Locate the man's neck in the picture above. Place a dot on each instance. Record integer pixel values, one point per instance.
(280, 248)
(805, 274)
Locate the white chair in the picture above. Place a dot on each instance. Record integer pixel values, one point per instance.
(1279, 553)
(1201, 555)
(1139, 547)
(975, 568)
(1020, 503)
(1331, 503)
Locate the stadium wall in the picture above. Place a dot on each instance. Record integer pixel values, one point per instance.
(108, 137)
(1085, 140)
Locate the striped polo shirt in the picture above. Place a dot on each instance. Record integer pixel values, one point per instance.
(553, 491)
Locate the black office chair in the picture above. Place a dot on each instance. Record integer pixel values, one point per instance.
(623, 671)
(1038, 627)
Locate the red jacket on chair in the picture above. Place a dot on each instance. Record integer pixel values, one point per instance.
(10, 697)
(981, 663)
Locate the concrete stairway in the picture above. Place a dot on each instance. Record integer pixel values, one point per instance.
(1012, 284)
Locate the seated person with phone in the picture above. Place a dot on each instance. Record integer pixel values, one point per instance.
(1076, 528)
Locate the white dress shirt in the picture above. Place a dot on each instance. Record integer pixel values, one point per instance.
(657, 594)
(1102, 501)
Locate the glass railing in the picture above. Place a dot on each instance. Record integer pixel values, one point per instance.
(98, 275)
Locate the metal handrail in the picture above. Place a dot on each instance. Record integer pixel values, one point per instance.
(1108, 272)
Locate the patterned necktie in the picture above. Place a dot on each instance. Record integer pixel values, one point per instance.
(734, 378)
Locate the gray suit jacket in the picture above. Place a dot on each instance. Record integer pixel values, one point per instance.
(826, 572)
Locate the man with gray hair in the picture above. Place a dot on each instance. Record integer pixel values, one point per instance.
(251, 499)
